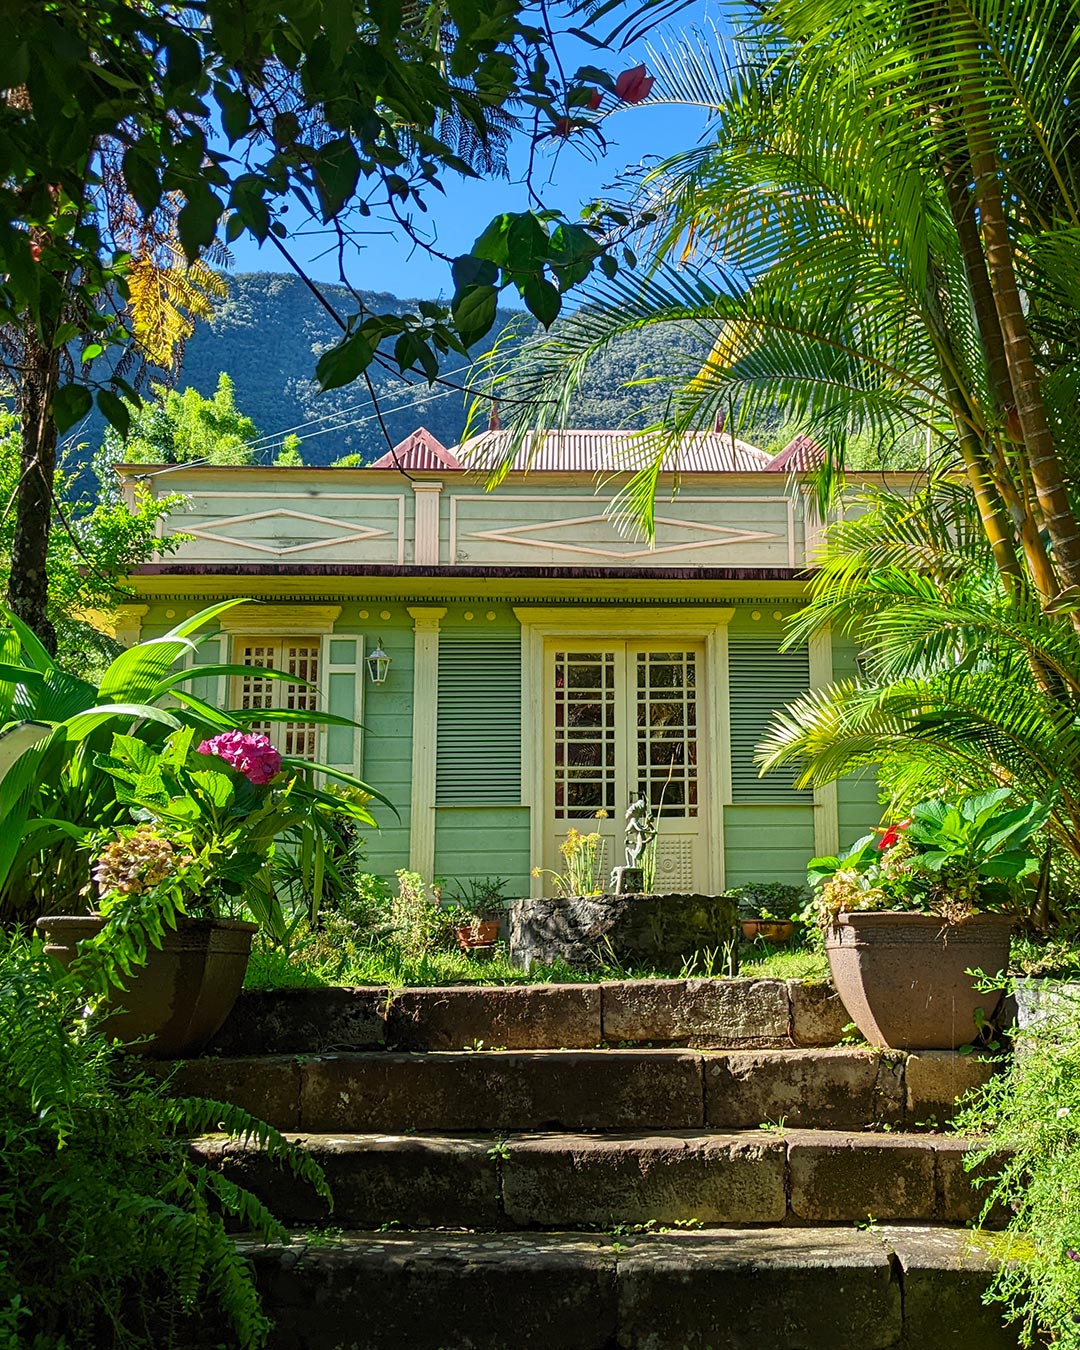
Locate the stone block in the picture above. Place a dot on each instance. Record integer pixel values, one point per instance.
(526, 1017)
(835, 1177)
(935, 1079)
(818, 1017)
(503, 1090)
(962, 1200)
(696, 1012)
(441, 1291)
(657, 932)
(553, 1181)
(827, 1089)
(785, 1289)
(944, 1275)
(427, 1182)
(303, 1022)
(267, 1087)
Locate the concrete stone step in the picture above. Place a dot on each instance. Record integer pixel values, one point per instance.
(736, 1013)
(672, 1089)
(564, 1181)
(891, 1288)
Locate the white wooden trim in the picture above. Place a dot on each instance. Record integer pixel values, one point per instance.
(426, 524)
(717, 709)
(458, 497)
(279, 620)
(426, 620)
(532, 747)
(627, 623)
(826, 796)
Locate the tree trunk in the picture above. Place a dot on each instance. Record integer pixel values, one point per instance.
(1038, 441)
(28, 584)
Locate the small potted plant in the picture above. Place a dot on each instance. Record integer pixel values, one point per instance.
(768, 927)
(766, 911)
(177, 889)
(908, 914)
(477, 916)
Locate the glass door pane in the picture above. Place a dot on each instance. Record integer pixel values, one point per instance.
(585, 733)
(666, 720)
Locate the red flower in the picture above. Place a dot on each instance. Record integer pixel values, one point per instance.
(563, 126)
(595, 99)
(35, 251)
(892, 835)
(634, 85)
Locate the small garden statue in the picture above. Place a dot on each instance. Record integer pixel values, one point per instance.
(640, 829)
(640, 832)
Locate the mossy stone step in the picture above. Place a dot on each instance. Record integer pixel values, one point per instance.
(738, 1013)
(566, 1181)
(913, 1288)
(673, 1089)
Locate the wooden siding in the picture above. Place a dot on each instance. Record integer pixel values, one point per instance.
(767, 841)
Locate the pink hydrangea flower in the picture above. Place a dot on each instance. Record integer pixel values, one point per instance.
(248, 752)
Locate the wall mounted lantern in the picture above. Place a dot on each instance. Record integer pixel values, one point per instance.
(378, 664)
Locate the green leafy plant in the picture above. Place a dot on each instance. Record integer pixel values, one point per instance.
(87, 1137)
(56, 794)
(950, 859)
(585, 871)
(1026, 1121)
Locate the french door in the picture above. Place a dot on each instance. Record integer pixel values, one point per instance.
(623, 717)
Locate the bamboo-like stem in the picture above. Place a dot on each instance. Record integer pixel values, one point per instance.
(1030, 409)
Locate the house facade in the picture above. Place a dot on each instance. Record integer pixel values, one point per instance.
(543, 665)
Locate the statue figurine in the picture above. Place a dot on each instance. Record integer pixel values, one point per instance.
(640, 829)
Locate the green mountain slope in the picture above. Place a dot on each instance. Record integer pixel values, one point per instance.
(270, 331)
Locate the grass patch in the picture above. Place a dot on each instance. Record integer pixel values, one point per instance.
(309, 966)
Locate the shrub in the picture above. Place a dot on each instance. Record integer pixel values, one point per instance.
(110, 1233)
(1029, 1117)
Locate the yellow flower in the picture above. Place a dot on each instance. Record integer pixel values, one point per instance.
(601, 814)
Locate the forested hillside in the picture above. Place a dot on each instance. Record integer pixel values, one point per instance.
(271, 330)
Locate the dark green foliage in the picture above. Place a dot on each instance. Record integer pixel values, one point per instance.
(110, 1235)
(1027, 1121)
(267, 331)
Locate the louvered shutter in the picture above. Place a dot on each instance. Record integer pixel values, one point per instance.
(761, 678)
(209, 688)
(344, 698)
(479, 721)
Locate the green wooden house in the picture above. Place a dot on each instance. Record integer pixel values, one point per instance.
(542, 665)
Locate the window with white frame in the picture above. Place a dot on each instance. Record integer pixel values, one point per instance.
(300, 658)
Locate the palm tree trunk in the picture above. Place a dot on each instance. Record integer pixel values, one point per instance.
(1038, 441)
(28, 584)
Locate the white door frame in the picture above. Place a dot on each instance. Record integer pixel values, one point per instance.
(708, 624)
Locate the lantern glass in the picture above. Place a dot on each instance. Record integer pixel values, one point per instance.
(378, 664)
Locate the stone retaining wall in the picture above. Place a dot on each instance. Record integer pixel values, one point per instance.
(735, 1014)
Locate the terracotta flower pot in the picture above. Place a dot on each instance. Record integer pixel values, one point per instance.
(183, 994)
(901, 976)
(772, 930)
(482, 934)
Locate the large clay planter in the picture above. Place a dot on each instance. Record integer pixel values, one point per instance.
(183, 994)
(901, 976)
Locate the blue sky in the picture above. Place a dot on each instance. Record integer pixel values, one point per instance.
(568, 179)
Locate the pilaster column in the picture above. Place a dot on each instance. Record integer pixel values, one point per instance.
(426, 622)
(826, 799)
(426, 525)
(127, 628)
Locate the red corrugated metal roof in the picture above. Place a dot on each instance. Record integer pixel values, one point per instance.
(421, 450)
(573, 451)
(801, 455)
